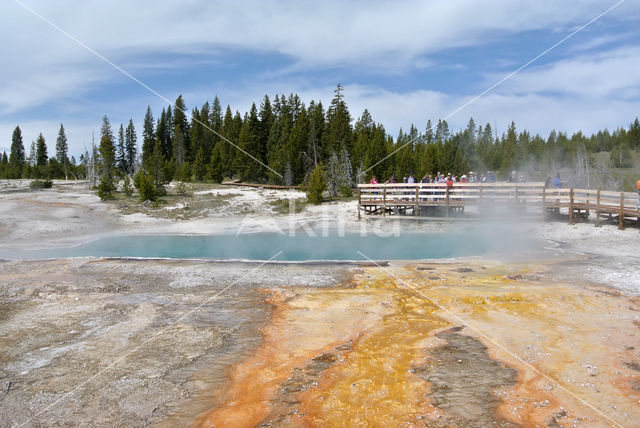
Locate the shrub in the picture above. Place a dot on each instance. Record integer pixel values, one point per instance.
(147, 189)
(317, 185)
(345, 191)
(183, 173)
(182, 189)
(136, 179)
(106, 188)
(41, 184)
(126, 187)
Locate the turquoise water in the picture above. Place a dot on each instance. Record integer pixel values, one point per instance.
(264, 246)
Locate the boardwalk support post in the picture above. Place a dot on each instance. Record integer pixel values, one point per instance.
(598, 208)
(571, 206)
(621, 218)
(447, 208)
(359, 202)
(384, 201)
(415, 208)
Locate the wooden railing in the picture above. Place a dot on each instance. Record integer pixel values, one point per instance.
(404, 198)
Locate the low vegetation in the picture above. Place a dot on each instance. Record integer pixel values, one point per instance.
(180, 201)
(41, 184)
(288, 206)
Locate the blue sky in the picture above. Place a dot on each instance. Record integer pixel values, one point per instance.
(404, 61)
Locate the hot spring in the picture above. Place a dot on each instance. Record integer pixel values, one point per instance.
(283, 247)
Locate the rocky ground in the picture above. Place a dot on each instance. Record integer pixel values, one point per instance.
(128, 343)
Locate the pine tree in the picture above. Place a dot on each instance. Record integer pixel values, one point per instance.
(31, 160)
(148, 138)
(156, 170)
(338, 128)
(442, 131)
(200, 165)
(215, 167)
(121, 154)
(227, 150)
(183, 174)
(164, 132)
(266, 121)
(107, 161)
(130, 147)
(41, 152)
(62, 149)
(634, 134)
(510, 149)
(297, 144)
(374, 159)
(404, 155)
(428, 133)
(199, 136)
(4, 165)
(180, 121)
(16, 158)
(430, 162)
(247, 142)
(333, 175)
(215, 123)
(317, 185)
(146, 185)
(179, 149)
(362, 138)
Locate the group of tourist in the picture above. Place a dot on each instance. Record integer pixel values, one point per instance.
(557, 182)
(448, 179)
(473, 177)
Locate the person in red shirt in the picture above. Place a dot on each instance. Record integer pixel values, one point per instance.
(638, 189)
(449, 181)
(374, 180)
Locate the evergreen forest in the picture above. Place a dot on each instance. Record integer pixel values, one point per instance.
(283, 139)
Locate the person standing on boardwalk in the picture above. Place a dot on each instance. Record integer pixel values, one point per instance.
(449, 181)
(638, 190)
(374, 180)
(547, 183)
(557, 183)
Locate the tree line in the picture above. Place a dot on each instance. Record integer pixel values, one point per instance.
(283, 140)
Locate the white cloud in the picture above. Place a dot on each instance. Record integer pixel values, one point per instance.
(588, 93)
(43, 67)
(536, 113)
(386, 36)
(611, 74)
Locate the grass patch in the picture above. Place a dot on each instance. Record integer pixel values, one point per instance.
(41, 184)
(286, 206)
(341, 198)
(180, 203)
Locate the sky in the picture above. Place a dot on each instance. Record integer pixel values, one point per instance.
(404, 61)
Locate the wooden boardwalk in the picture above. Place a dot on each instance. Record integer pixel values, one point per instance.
(261, 186)
(437, 199)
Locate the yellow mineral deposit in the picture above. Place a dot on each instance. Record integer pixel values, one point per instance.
(398, 346)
